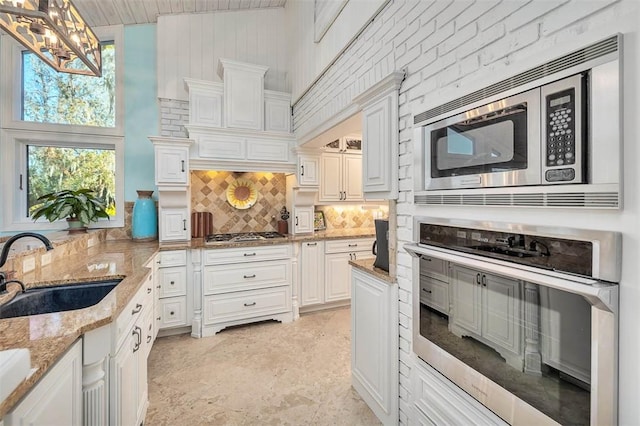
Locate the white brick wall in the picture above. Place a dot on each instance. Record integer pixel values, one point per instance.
(444, 46)
(174, 114)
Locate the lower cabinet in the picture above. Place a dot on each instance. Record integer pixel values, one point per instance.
(374, 344)
(488, 307)
(312, 273)
(57, 398)
(338, 253)
(174, 294)
(437, 401)
(243, 285)
(174, 224)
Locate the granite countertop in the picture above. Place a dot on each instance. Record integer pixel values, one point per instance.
(366, 265)
(334, 234)
(48, 336)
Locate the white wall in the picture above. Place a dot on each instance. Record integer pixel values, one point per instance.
(190, 45)
(452, 48)
(307, 58)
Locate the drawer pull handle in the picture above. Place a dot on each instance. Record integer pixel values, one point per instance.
(149, 290)
(148, 339)
(250, 276)
(311, 244)
(182, 164)
(353, 245)
(250, 304)
(184, 224)
(158, 262)
(137, 309)
(249, 254)
(426, 291)
(302, 168)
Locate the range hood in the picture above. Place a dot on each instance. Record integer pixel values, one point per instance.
(237, 125)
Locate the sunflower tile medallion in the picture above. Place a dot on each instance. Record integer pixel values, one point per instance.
(242, 194)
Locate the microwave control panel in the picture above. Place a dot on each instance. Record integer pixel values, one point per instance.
(562, 141)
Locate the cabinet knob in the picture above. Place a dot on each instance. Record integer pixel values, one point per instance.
(158, 319)
(172, 313)
(173, 282)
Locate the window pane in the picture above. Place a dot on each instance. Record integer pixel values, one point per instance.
(53, 168)
(52, 97)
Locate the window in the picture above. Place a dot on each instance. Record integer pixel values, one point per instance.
(60, 131)
(52, 97)
(53, 168)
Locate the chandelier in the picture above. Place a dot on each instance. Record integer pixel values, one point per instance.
(55, 31)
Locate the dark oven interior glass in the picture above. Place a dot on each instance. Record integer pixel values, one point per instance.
(533, 340)
(494, 142)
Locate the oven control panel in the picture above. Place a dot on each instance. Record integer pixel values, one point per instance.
(562, 137)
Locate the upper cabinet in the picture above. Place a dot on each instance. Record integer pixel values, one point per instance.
(348, 144)
(172, 161)
(380, 137)
(243, 94)
(341, 178)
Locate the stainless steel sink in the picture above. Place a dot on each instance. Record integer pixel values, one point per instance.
(57, 299)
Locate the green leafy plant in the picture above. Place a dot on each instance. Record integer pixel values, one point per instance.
(81, 205)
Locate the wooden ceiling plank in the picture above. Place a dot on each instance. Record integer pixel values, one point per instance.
(164, 7)
(189, 6)
(90, 12)
(124, 12)
(234, 4)
(151, 9)
(138, 12)
(177, 6)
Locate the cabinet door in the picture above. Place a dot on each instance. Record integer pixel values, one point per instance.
(312, 276)
(331, 177)
(124, 380)
(501, 311)
(174, 224)
(243, 99)
(173, 281)
(57, 398)
(337, 282)
(377, 160)
(466, 298)
(352, 178)
(172, 165)
(303, 219)
(308, 170)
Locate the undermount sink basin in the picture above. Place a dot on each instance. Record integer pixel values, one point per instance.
(57, 299)
(508, 251)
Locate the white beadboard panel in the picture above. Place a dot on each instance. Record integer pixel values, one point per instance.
(190, 45)
(307, 58)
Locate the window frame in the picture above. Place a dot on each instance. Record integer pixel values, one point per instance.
(15, 134)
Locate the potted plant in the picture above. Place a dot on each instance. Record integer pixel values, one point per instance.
(79, 208)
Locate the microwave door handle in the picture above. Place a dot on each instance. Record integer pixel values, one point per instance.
(503, 113)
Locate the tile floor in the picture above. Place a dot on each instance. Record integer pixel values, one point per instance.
(263, 374)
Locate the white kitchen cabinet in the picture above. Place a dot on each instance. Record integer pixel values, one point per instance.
(57, 398)
(337, 271)
(488, 308)
(174, 289)
(380, 137)
(340, 177)
(205, 102)
(174, 224)
(435, 400)
(312, 273)
(374, 344)
(172, 165)
(277, 111)
(351, 144)
(308, 170)
(303, 219)
(434, 293)
(244, 285)
(243, 94)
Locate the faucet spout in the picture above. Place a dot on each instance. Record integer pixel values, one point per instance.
(10, 241)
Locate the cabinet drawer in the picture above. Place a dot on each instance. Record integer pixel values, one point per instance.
(350, 245)
(434, 294)
(246, 304)
(173, 312)
(130, 314)
(246, 254)
(172, 258)
(234, 277)
(173, 281)
(434, 267)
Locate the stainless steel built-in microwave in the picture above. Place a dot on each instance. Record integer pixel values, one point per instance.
(561, 128)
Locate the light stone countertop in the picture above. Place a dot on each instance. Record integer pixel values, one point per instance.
(48, 336)
(366, 265)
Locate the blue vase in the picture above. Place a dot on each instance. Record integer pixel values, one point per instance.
(144, 224)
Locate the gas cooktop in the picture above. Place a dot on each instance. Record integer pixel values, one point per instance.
(243, 236)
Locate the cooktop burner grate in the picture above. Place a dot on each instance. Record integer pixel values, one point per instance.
(243, 236)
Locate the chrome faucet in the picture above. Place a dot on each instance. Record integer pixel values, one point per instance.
(5, 254)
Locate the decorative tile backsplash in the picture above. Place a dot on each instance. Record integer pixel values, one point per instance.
(337, 217)
(208, 194)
